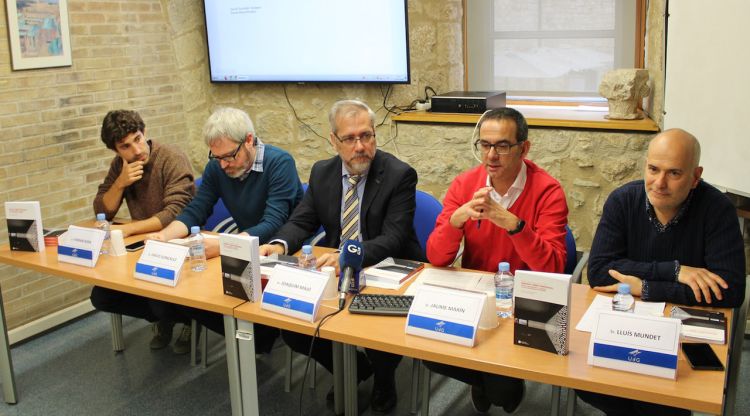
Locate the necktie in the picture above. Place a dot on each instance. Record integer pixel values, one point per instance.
(350, 216)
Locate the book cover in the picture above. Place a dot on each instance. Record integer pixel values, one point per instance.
(240, 266)
(392, 273)
(701, 325)
(541, 311)
(24, 220)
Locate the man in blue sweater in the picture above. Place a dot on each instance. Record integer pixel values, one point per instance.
(258, 184)
(673, 238)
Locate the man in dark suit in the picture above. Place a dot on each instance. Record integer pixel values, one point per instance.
(361, 194)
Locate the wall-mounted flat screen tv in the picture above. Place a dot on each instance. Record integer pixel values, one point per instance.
(308, 40)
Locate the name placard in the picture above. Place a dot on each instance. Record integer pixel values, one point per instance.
(445, 314)
(636, 343)
(80, 245)
(161, 262)
(294, 292)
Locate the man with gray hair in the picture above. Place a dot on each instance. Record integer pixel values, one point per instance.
(672, 238)
(360, 194)
(258, 184)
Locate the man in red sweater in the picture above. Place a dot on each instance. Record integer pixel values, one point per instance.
(505, 209)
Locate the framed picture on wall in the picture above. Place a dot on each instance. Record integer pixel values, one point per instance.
(38, 33)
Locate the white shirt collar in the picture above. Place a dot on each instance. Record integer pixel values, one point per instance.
(514, 191)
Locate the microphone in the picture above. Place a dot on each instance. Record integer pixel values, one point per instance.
(350, 262)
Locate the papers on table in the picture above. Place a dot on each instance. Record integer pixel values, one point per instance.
(449, 278)
(604, 303)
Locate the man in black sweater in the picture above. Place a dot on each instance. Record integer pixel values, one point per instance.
(673, 238)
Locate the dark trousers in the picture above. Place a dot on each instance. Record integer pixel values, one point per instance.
(618, 406)
(114, 301)
(265, 336)
(378, 363)
(499, 389)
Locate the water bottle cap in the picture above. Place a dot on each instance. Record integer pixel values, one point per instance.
(195, 229)
(503, 266)
(623, 289)
(100, 216)
(307, 249)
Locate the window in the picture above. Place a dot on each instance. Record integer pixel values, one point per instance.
(549, 48)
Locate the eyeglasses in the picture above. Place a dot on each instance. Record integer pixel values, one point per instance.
(226, 158)
(501, 148)
(364, 138)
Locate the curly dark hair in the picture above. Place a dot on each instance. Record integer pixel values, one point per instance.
(119, 123)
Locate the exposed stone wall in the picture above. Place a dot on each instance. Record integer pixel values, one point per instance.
(150, 55)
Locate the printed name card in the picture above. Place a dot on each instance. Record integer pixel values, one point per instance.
(80, 245)
(161, 262)
(637, 343)
(445, 314)
(294, 292)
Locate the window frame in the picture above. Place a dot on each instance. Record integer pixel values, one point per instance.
(638, 61)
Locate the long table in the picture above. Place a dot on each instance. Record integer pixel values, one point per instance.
(494, 352)
(199, 290)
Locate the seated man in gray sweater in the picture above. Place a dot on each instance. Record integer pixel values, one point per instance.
(156, 182)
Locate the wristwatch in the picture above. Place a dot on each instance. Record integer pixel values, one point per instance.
(518, 228)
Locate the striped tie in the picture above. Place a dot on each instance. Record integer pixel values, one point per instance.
(350, 217)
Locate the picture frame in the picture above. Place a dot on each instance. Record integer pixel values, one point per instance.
(39, 33)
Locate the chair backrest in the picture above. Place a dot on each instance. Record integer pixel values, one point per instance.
(220, 220)
(570, 247)
(320, 234)
(428, 209)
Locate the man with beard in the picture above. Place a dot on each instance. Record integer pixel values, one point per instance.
(156, 182)
(258, 184)
(361, 194)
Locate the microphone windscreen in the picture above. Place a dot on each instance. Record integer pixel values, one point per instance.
(351, 255)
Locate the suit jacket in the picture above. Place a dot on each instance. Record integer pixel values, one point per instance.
(386, 210)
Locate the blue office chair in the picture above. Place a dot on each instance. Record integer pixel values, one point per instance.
(425, 216)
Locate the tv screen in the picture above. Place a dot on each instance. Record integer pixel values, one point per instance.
(308, 40)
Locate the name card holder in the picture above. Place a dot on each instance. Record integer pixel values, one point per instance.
(80, 245)
(445, 314)
(636, 343)
(161, 262)
(294, 292)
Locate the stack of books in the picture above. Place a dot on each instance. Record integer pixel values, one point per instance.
(700, 325)
(391, 273)
(51, 236)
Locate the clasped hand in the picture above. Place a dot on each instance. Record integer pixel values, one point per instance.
(483, 207)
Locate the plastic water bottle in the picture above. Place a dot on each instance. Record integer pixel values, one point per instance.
(307, 260)
(197, 250)
(103, 224)
(504, 291)
(623, 300)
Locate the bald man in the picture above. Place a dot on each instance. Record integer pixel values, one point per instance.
(673, 238)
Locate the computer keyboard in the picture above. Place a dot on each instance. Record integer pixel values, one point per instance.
(394, 305)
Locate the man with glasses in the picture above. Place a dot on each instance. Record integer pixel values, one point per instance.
(361, 194)
(505, 209)
(156, 182)
(258, 184)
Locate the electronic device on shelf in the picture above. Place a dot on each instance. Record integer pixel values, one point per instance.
(394, 305)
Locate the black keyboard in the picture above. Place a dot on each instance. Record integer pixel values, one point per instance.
(394, 305)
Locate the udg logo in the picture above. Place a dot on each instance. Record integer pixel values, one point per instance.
(633, 356)
(287, 303)
(440, 327)
(354, 249)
